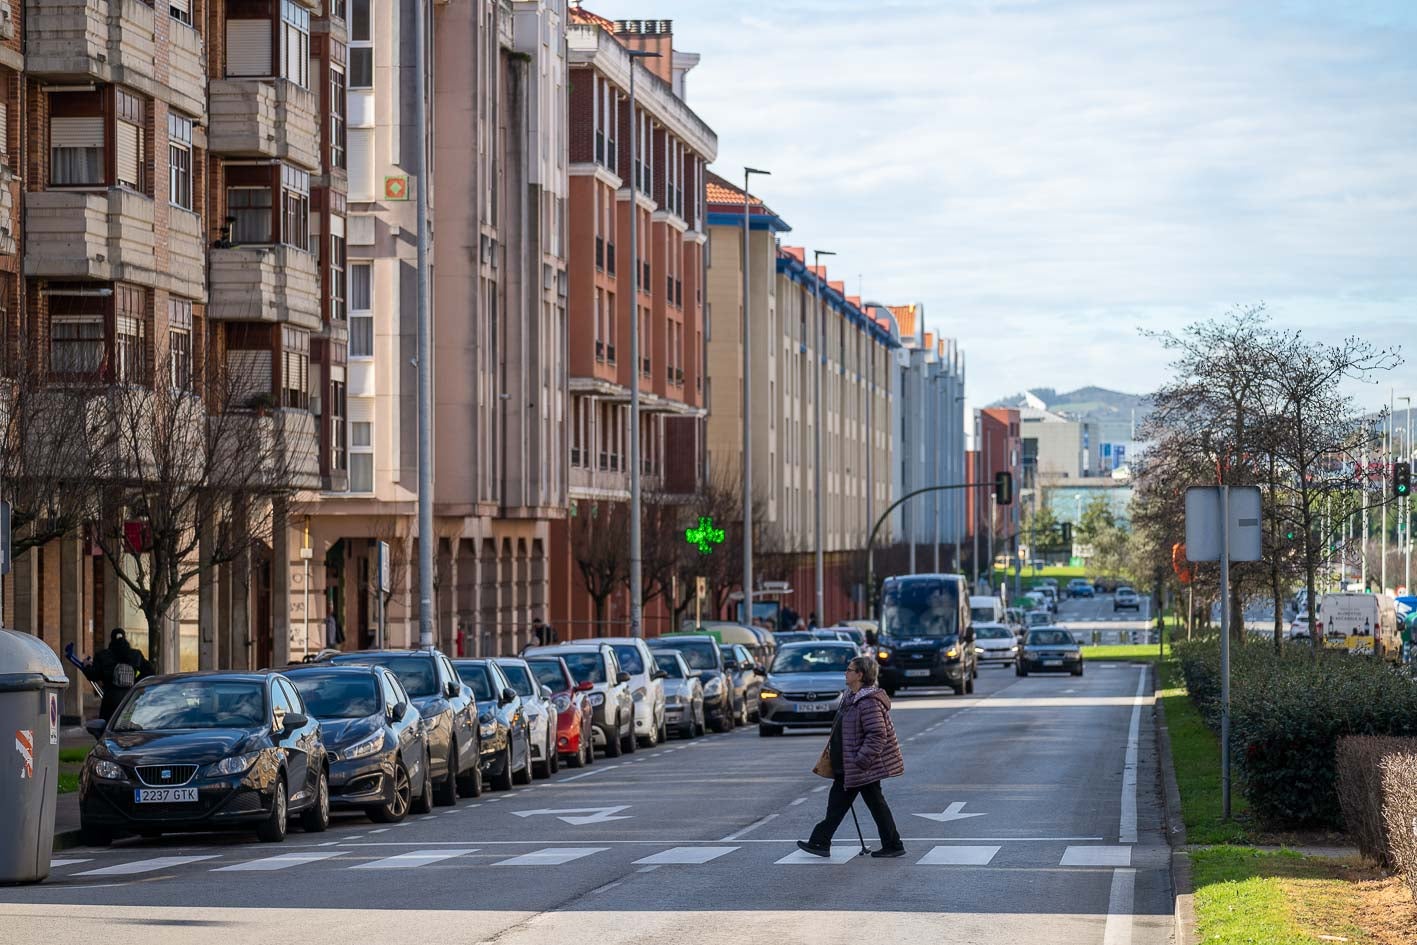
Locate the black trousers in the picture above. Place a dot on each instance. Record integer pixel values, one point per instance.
(839, 804)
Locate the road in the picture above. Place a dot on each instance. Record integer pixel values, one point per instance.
(1047, 829)
(1087, 616)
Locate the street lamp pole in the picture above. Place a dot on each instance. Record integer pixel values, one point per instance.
(427, 541)
(637, 170)
(820, 355)
(1405, 503)
(935, 463)
(748, 172)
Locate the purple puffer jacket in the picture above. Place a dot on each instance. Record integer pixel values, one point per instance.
(869, 745)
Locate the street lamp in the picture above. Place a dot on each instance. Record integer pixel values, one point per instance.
(1405, 503)
(636, 175)
(748, 172)
(820, 355)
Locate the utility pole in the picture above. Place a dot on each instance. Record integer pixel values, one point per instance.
(426, 538)
(1388, 459)
(748, 172)
(1406, 502)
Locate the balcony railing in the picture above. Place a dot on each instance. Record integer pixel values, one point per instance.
(273, 118)
(104, 234)
(265, 284)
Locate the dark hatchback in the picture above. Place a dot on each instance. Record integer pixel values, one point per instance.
(449, 716)
(701, 652)
(374, 738)
(505, 733)
(205, 751)
(1049, 650)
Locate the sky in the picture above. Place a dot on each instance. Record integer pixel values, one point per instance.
(1049, 177)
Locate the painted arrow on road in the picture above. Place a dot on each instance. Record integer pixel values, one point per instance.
(581, 816)
(953, 812)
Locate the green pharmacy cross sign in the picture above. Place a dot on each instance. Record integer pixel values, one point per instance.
(704, 536)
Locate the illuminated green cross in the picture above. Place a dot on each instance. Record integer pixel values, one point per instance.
(704, 536)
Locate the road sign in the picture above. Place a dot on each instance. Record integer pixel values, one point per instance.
(1203, 525)
(383, 565)
(580, 816)
(953, 812)
(700, 587)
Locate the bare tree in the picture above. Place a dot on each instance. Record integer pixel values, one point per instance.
(600, 543)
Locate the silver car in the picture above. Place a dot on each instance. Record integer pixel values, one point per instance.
(995, 643)
(683, 694)
(804, 686)
(540, 708)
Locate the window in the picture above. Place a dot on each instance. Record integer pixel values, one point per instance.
(361, 317)
(295, 43)
(361, 46)
(337, 270)
(180, 10)
(248, 47)
(295, 368)
(76, 342)
(128, 139)
(361, 453)
(129, 336)
(295, 207)
(179, 161)
(75, 148)
(179, 344)
(339, 450)
(251, 209)
(337, 116)
(337, 9)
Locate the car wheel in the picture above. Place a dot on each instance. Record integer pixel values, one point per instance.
(524, 776)
(92, 836)
(757, 713)
(470, 784)
(1023, 670)
(663, 729)
(553, 758)
(702, 724)
(423, 803)
(723, 723)
(445, 792)
(396, 806)
(652, 739)
(588, 746)
(1078, 671)
(272, 829)
(577, 759)
(767, 731)
(502, 779)
(628, 741)
(317, 818)
(614, 746)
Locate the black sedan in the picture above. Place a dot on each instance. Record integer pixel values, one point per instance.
(449, 716)
(205, 751)
(1049, 650)
(505, 730)
(374, 738)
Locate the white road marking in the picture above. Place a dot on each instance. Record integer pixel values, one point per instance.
(56, 864)
(1096, 856)
(784, 841)
(818, 790)
(145, 866)
(380, 830)
(683, 856)
(1118, 930)
(414, 859)
(647, 869)
(552, 856)
(952, 812)
(748, 829)
(840, 854)
(577, 777)
(800, 800)
(284, 861)
(958, 856)
(1128, 828)
(607, 887)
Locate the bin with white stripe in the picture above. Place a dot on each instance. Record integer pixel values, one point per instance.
(32, 680)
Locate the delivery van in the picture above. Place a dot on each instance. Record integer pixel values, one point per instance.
(1366, 623)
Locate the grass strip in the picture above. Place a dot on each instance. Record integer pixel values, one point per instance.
(1195, 752)
(1247, 897)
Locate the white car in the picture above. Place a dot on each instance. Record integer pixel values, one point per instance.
(995, 643)
(646, 685)
(1300, 628)
(540, 714)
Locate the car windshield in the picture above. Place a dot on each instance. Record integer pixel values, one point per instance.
(921, 607)
(1036, 619)
(629, 656)
(417, 673)
(519, 678)
(338, 695)
(981, 613)
(548, 673)
(585, 666)
(790, 637)
(195, 703)
(993, 633)
(478, 678)
(1125, 591)
(669, 664)
(812, 659)
(1050, 638)
(699, 654)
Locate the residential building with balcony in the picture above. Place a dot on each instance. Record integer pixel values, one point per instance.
(663, 185)
(998, 447)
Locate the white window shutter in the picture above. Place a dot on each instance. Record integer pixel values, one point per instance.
(183, 5)
(129, 154)
(361, 410)
(361, 164)
(248, 48)
(76, 132)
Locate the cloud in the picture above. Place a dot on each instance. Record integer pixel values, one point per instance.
(1048, 176)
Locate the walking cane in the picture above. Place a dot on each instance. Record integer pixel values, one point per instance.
(864, 851)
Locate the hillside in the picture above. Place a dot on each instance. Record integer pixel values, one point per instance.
(1088, 403)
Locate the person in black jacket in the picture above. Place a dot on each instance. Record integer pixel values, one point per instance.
(117, 668)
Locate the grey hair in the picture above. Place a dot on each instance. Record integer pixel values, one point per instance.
(869, 669)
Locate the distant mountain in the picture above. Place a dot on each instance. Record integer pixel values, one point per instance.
(1097, 404)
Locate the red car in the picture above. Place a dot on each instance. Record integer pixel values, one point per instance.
(574, 742)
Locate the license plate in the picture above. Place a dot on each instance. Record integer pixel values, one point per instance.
(179, 795)
(917, 672)
(1052, 662)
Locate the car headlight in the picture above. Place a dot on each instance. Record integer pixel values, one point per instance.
(488, 729)
(951, 653)
(106, 770)
(595, 698)
(363, 749)
(562, 703)
(236, 764)
(714, 686)
(883, 654)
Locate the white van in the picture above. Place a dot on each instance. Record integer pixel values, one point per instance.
(1366, 623)
(985, 609)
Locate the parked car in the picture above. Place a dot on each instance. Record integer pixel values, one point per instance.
(1015, 620)
(540, 707)
(504, 726)
(854, 634)
(449, 716)
(785, 637)
(995, 643)
(1050, 649)
(1079, 587)
(575, 718)
(1301, 628)
(804, 686)
(683, 694)
(700, 651)
(373, 737)
(1037, 618)
(205, 751)
(1126, 599)
(747, 675)
(646, 686)
(609, 695)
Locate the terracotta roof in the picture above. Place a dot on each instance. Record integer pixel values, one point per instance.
(838, 287)
(718, 190)
(929, 340)
(580, 14)
(905, 318)
(796, 252)
(854, 300)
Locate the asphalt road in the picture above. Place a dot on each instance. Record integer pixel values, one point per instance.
(1046, 829)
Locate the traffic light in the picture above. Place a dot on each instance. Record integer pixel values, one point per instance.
(1067, 533)
(1401, 479)
(1004, 488)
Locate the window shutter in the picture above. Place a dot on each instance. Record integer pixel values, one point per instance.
(76, 132)
(337, 225)
(4, 127)
(129, 154)
(361, 410)
(248, 47)
(251, 371)
(184, 6)
(361, 164)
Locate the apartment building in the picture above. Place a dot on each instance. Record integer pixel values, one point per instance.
(994, 529)
(662, 184)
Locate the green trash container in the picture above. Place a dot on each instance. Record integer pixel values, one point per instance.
(32, 680)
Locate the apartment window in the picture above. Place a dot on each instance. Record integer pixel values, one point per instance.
(337, 270)
(76, 139)
(295, 207)
(295, 368)
(180, 10)
(179, 344)
(361, 46)
(250, 209)
(337, 9)
(338, 100)
(129, 337)
(339, 450)
(361, 316)
(295, 43)
(76, 335)
(179, 161)
(361, 454)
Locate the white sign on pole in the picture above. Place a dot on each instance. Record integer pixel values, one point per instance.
(384, 566)
(1203, 525)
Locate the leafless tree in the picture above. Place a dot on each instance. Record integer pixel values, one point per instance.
(600, 543)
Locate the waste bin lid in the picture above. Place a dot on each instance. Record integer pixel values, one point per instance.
(25, 657)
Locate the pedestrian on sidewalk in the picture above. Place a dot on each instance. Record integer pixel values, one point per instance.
(117, 668)
(863, 752)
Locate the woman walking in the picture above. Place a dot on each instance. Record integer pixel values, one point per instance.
(863, 752)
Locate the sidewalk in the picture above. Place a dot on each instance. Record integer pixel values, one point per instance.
(66, 812)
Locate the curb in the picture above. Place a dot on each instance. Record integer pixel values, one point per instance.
(1183, 893)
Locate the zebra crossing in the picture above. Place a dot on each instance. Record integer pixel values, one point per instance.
(1003, 854)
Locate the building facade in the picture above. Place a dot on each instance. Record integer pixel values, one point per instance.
(994, 529)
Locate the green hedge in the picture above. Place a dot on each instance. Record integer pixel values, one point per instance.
(1288, 710)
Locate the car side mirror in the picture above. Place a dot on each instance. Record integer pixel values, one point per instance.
(451, 690)
(659, 674)
(396, 712)
(585, 685)
(760, 669)
(506, 697)
(96, 727)
(622, 677)
(730, 665)
(547, 694)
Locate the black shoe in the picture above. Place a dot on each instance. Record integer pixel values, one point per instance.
(808, 846)
(888, 852)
